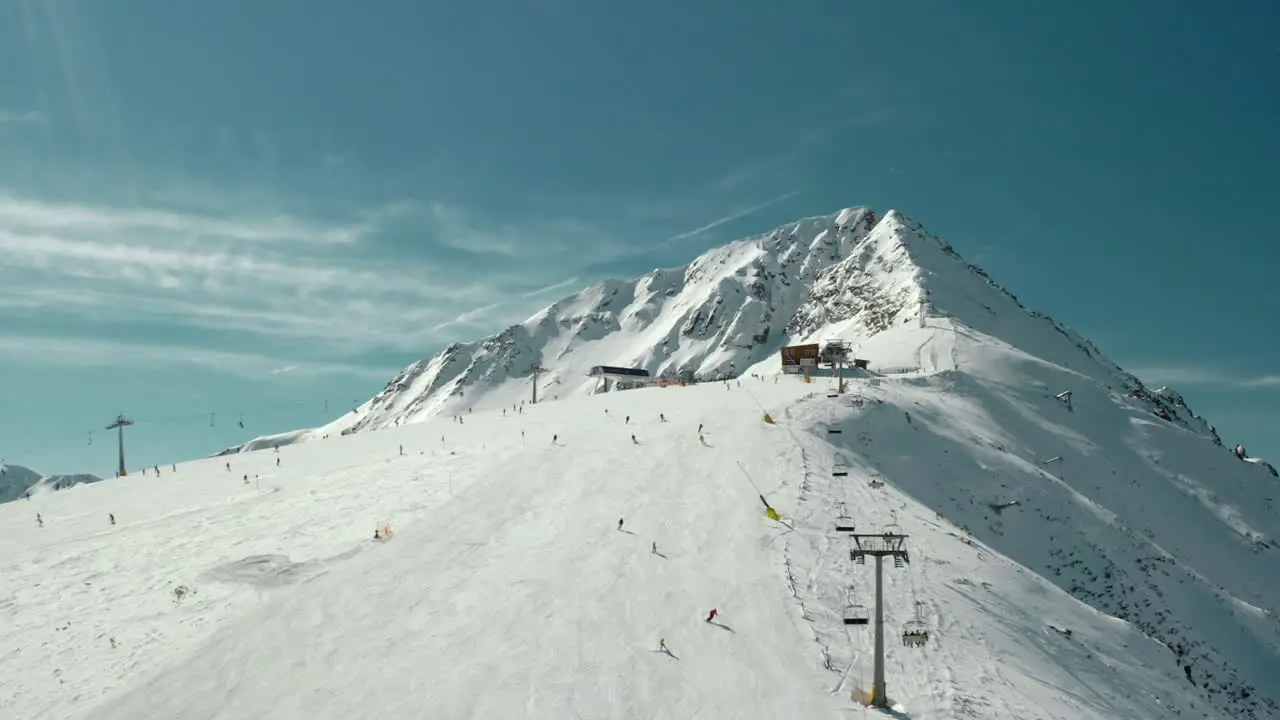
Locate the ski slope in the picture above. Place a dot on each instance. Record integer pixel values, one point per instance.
(508, 591)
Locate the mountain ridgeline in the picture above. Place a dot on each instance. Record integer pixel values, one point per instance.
(849, 275)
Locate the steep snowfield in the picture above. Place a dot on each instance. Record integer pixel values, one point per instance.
(507, 590)
(1139, 517)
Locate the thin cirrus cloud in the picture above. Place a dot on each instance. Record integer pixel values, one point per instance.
(34, 215)
(1207, 376)
(278, 277)
(83, 352)
(735, 215)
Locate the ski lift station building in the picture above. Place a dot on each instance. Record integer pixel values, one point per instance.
(620, 378)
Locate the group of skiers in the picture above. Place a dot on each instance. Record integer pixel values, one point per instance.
(653, 548)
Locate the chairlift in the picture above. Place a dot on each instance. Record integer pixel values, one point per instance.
(914, 632)
(856, 615)
(894, 529)
(839, 469)
(876, 483)
(242, 421)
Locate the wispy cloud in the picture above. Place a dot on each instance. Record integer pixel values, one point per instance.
(84, 352)
(337, 288)
(735, 215)
(85, 219)
(21, 118)
(1189, 375)
(571, 283)
(469, 317)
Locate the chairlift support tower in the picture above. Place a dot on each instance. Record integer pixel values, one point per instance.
(121, 422)
(537, 370)
(837, 354)
(879, 546)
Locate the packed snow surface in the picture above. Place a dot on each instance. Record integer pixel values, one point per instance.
(507, 589)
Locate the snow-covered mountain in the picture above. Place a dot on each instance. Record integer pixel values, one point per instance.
(848, 275)
(17, 482)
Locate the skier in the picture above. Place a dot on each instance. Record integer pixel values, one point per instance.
(712, 615)
(619, 524)
(402, 450)
(662, 418)
(40, 520)
(634, 441)
(654, 548)
(699, 428)
(627, 421)
(112, 517)
(662, 645)
(278, 460)
(554, 438)
(246, 478)
(228, 467)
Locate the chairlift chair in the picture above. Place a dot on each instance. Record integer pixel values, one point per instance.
(894, 529)
(834, 431)
(856, 615)
(914, 634)
(839, 469)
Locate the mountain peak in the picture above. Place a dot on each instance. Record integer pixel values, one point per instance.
(851, 275)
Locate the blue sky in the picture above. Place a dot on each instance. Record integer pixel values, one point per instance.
(267, 208)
